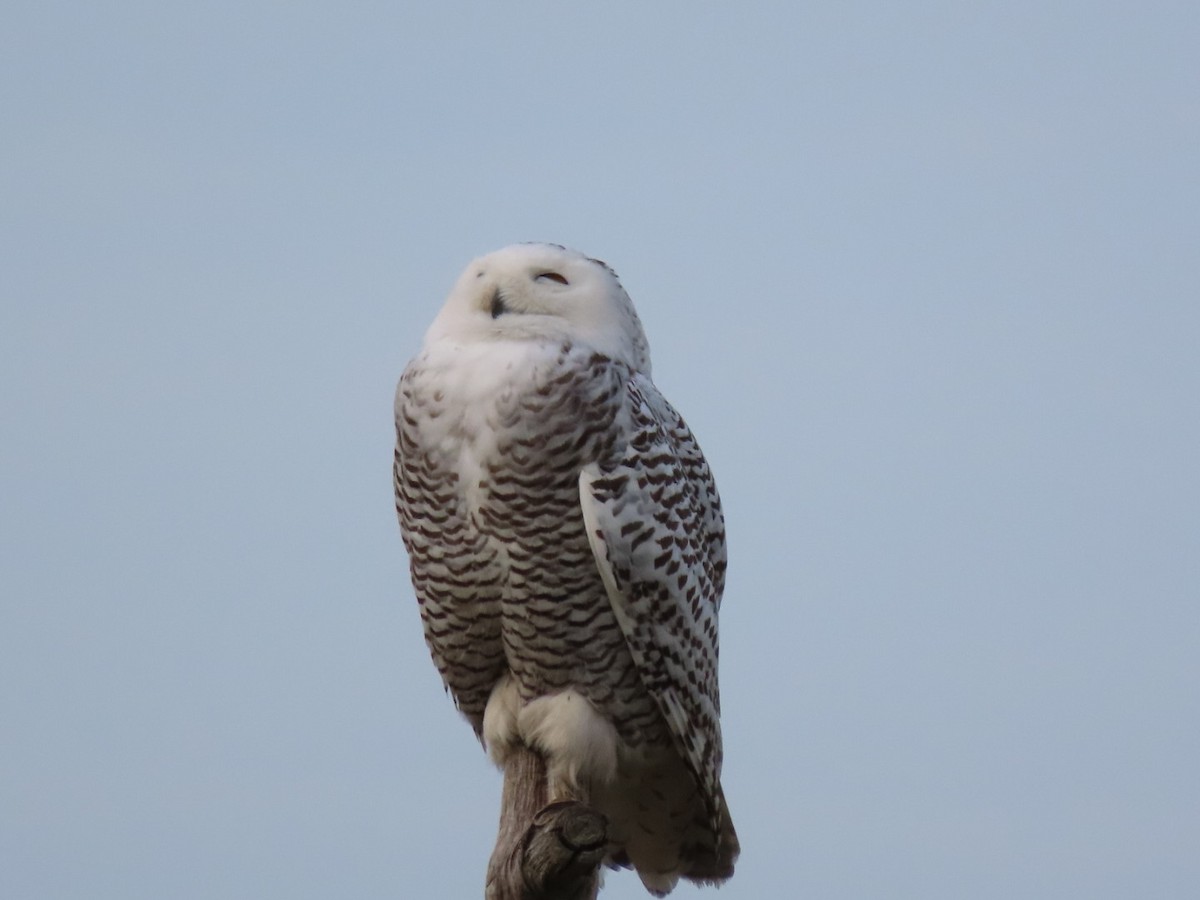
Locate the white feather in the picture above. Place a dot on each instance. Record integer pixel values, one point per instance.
(579, 744)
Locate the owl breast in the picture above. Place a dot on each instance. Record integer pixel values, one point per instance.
(492, 441)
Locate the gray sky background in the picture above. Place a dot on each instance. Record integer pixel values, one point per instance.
(924, 278)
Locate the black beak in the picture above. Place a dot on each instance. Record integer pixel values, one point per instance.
(499, 308)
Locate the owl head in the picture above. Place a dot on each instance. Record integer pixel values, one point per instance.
(544, 292)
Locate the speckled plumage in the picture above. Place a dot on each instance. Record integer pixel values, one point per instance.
(567, 551)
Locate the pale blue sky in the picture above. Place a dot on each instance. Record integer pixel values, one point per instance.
(924, 278)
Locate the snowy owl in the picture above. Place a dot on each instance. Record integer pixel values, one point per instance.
(567, 550)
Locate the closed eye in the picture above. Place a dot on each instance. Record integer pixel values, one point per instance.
(552, 276)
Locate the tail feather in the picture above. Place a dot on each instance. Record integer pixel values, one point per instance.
(660, 825)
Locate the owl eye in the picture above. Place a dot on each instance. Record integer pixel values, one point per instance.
(552, 276)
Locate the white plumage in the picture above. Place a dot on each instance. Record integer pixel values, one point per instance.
(567, 550)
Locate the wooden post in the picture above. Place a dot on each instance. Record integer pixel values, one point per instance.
(543, 851)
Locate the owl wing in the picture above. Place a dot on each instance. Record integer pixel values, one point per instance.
(654, 521)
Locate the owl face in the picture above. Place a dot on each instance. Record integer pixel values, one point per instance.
(543, 292)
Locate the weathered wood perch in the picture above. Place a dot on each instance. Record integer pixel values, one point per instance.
(543, 852)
